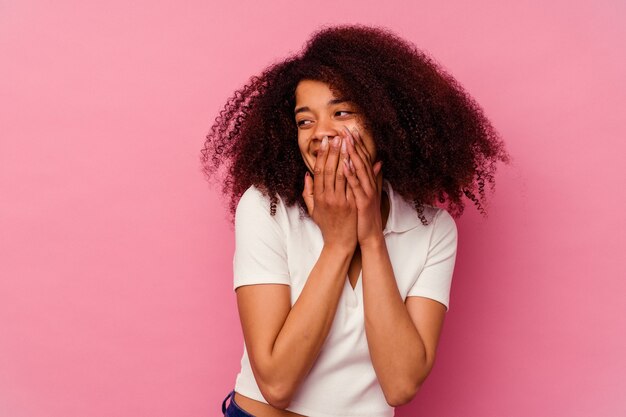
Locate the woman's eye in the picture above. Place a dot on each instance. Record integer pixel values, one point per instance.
(303, 122)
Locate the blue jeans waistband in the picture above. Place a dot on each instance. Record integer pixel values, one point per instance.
(233, 409)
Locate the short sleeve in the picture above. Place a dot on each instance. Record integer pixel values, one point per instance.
(435, 280)
(260, 251)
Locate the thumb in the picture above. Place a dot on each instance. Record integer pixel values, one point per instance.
(307, 194)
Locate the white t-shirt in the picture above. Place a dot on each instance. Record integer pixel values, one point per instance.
(284, 248)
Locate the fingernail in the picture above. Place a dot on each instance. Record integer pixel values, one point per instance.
(325, 142)
(336, 141)
(344, 149)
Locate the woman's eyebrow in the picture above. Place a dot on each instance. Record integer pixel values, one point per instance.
(330, 103)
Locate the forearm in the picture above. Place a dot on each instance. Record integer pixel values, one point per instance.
(309, 321)
(396, 348)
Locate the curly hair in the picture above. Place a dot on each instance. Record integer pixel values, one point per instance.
(433, 138)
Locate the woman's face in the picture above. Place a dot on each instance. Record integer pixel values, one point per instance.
(319, 113)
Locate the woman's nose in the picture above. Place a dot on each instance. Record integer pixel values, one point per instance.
(327, 128)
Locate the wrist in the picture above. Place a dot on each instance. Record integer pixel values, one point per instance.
(374, 242)
(340, 248)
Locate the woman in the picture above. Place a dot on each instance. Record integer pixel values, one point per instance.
(343, 263)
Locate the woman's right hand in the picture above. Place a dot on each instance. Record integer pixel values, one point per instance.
(328, 196)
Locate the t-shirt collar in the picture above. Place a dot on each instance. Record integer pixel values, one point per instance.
(402, 215)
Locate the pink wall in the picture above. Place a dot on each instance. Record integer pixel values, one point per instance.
(116, 257)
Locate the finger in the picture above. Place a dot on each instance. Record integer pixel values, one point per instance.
(330, 168)
(361, 170)
(360, 148)
(359, 138)
(369, 168)
(340, 178)
(354, 184)
(318, 169)
(307, 194)
(378, 166)
(350, 196)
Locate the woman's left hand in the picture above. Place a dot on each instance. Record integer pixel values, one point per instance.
(363, 179)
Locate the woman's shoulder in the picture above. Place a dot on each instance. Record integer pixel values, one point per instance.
(438, 216)
(253, 194)
(442, 221)
(256, 194)
(256, 199)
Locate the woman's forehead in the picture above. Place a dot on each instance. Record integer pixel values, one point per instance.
(317, 93)
(308, 87)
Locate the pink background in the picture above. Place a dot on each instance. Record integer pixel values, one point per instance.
(116, 258)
